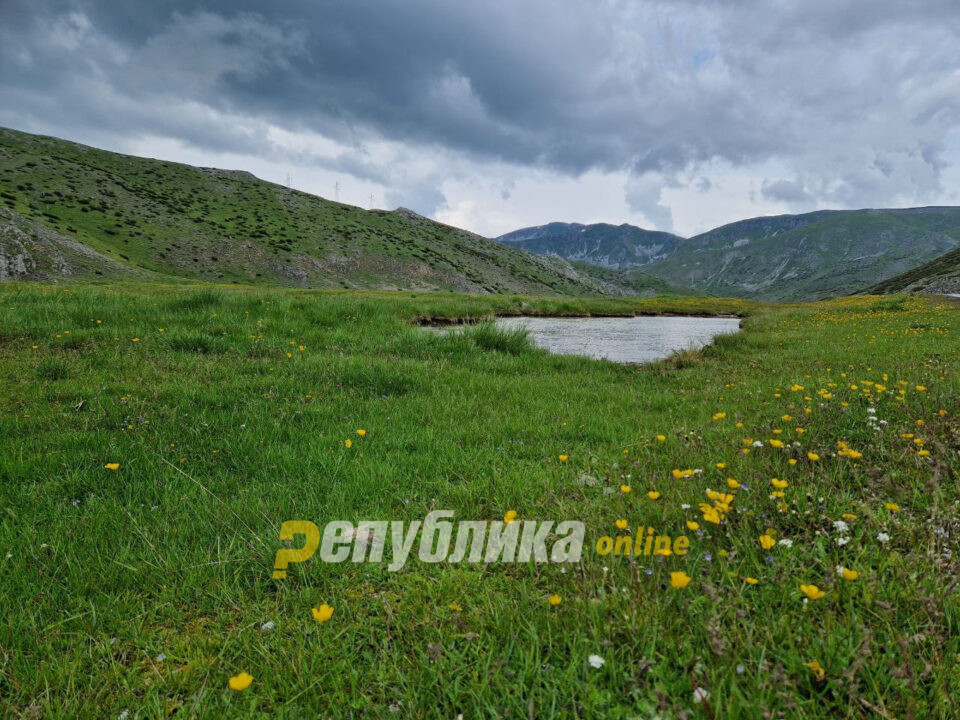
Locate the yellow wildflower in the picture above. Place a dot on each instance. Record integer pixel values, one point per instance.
(554, 600)
(112, 466)
(679, 580)
(509, 517)
(710, 515)
(241, 681)
(323, 613)
(812, 591)
(767, 542)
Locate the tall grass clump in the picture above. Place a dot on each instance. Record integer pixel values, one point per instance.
(487, 336)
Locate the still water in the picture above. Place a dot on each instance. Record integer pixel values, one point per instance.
(633, 340)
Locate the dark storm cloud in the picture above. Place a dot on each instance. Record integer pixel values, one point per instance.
(854, 99)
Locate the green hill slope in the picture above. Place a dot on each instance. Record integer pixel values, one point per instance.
(804, 257)
(73, 211)
(634, 281)
(939, 277)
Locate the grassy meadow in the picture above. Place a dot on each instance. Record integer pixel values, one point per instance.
(138, 592)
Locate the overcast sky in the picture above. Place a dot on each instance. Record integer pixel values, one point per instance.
(498, 114)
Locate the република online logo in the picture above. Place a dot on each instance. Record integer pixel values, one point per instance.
(475, 541)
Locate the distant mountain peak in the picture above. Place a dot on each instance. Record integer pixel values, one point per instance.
(612, 246)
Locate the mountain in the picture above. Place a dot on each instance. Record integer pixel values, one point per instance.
(805, 257)
(611, 246)
(785, 257)
(68, 211)
(938, 277)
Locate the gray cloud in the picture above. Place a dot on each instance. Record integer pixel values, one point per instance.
(854, 100)
(788, 191)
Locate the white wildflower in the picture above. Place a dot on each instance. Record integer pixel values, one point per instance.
(596, 661)
(700, 694)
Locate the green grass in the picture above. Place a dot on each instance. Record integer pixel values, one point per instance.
(487, 336)
(221, 436)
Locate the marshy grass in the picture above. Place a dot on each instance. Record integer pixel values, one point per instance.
(488, 336)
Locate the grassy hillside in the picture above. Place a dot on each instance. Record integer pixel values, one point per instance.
(810, 256)
(635, 281)
(940, 276)
(139, 591)
(610, 246)
(137, 217)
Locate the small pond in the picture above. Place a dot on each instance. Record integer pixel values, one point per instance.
(626, 340)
